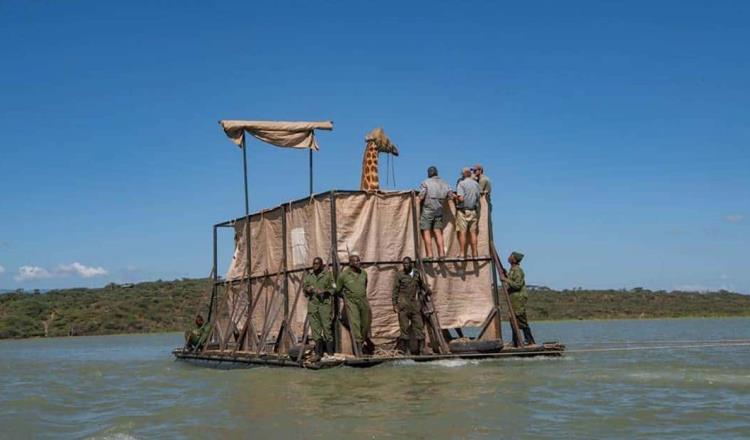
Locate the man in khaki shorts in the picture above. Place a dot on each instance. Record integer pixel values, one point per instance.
(467, 219)
(432, 192)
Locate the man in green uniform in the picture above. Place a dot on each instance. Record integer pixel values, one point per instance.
(485, 184)
(516, 281)
(406, 304)
(352, 283)
(318, 287)
(195, 339)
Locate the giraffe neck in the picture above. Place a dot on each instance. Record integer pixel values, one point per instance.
(370, 181)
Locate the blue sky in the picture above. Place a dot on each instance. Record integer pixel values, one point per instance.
(617, 133)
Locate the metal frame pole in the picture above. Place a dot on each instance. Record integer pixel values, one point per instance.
(311, 170)
(248, 230)
(495, 280)
(214, 275)
(244, 172)
(335, 266)
(285, 324)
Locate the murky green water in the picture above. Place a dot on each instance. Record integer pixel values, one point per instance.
(129, 387)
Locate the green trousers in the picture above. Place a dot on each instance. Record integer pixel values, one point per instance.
(359, 315)
(320, 316)
(410, 320)
(518, 301)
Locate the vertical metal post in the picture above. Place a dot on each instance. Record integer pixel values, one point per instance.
(495, 280)
(248, 253)
(285, 324)
(214, 275)
(311, 170)
(335, 269)
(244, 169)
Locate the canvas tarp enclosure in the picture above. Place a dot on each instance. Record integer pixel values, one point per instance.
(380, 227)
(278, 133)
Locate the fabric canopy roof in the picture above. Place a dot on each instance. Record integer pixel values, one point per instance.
(278, 133)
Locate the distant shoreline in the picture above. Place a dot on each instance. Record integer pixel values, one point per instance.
(169, 306)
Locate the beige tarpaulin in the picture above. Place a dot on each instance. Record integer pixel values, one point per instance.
(278, 133)
(379, 226)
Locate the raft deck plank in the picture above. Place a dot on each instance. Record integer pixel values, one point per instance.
(245, 359)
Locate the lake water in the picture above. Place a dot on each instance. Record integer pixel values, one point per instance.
(122, 387)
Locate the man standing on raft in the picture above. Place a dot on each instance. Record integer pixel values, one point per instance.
(516, 281)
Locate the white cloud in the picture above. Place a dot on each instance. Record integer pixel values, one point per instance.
(734, 218)
(28, 273)
(2, 270)
(79, 269)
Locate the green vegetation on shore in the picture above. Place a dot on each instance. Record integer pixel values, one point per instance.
(171, 305)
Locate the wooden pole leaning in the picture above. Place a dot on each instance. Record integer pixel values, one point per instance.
(272, 316)
(511, 313)
(281, 346)
(495, 281)
(436, 334)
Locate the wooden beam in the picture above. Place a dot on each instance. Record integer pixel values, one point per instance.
(432, 318)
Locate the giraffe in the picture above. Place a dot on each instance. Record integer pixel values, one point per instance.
(376, 142)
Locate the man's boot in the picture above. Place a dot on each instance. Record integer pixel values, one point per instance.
(318, 352)
(413, 347)
(527, 335)
(401, 346)
(330, 348)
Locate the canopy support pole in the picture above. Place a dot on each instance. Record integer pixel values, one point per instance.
(244, 172)
(214, 275)
(311, 170)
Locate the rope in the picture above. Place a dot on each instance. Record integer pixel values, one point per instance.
(745, 343)
(672, 341)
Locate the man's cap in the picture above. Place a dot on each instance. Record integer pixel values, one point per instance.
(517, 256)
(354, 254)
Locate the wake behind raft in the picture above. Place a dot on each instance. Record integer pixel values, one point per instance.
(257, 314)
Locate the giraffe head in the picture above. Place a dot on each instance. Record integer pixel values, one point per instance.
(375, 142)
(382, 143)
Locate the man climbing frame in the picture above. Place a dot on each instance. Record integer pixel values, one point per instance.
(516, 281)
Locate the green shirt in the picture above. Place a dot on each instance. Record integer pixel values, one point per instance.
(405, 287)
(322, 281)
(485, 184)
(516, 281)
(352, 284)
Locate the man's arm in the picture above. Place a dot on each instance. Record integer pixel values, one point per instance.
(328, 284)
(460, 192)
(307, 285)
(422, 191)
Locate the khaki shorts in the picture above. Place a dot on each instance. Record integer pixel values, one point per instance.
(466, 219)
(430, 220)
